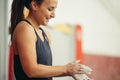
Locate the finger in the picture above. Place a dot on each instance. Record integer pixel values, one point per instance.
(77, 61)
(85, 69)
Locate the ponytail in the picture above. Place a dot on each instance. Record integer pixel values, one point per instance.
(16, 14)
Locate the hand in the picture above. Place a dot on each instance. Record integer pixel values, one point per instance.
(81, 77)
(73, 68)
(85, 69)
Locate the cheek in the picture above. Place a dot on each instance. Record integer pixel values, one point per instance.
(47, 13)
(43, 14)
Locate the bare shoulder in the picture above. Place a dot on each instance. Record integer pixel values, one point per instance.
(24, 30)
(24, 27)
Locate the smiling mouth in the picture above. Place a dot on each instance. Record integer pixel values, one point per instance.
(47, 19)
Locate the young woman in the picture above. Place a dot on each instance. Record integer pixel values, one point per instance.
(31, 44)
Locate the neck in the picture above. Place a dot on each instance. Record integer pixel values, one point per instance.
(33, 22)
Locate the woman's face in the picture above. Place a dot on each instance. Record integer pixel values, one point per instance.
(46, 11)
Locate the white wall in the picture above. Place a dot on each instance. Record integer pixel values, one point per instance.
(101, 31)
(3, 40)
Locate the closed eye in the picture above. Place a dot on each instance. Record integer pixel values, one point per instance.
(51, 8)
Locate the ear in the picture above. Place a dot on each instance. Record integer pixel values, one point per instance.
(34, 5)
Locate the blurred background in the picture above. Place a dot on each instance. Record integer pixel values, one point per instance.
(88, 30)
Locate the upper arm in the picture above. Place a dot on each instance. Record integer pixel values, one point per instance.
(25, 42)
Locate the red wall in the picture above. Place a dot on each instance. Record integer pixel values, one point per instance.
(104, 67)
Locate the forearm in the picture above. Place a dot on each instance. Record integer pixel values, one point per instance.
(48, 71)
(45, 71)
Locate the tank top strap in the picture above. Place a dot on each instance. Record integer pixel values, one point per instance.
(27, 21)
(44, 34)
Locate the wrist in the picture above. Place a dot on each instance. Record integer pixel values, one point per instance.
(65, 70)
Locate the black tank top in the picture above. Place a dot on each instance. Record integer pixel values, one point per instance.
(43, 53)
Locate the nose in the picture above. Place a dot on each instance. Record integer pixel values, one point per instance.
(53, 15)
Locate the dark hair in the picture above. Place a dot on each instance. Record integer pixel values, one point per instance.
(17, 9)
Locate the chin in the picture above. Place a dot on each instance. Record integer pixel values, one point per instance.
(45, 24)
